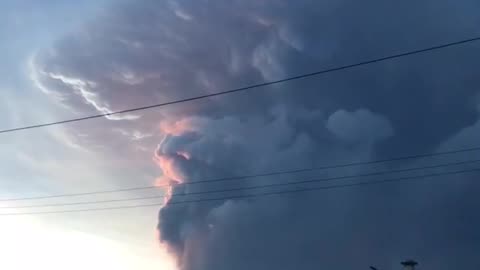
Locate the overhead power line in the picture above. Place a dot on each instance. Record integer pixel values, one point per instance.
(316, 180)
(234, 178)
(257, 195)
(246, 88)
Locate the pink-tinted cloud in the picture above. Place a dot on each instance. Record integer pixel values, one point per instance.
(176, 127)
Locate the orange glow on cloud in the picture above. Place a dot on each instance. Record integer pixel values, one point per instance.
(167, 185)
(176, 128)
(171, 175)
(162, 181)
(168, 163)
(167, 182)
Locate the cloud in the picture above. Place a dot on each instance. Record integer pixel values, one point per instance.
(83, 89)
(35, 77)
(161, 51)
(359, 126)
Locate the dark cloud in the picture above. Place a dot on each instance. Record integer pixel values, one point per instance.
(152, 52)
(360, 125)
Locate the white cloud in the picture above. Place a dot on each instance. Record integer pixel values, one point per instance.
(134, 135)
(180, 12)
(34, 74)
(82, 88)
(265, 59)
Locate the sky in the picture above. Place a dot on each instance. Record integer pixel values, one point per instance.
(64, 60)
